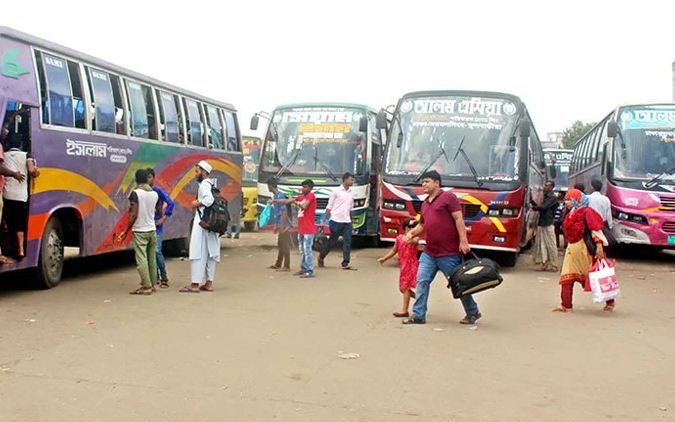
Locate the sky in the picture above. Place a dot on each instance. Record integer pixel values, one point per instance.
(571, 60)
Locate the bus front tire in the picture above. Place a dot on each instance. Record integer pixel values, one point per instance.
(509, 259)
(50, 263)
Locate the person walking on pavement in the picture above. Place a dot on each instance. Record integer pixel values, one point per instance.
(306, 226)
(545, 248)
(442, 225)
(339, 209)
(142, 204)
(282, 226)
(163, 211)
(600, 203)
(204, 245)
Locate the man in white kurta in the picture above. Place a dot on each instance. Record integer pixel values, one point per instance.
(204, 244)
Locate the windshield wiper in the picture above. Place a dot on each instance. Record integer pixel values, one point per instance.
(285, 167)
(323, 165)
(655, 180)
(431, 163)
(468, 161)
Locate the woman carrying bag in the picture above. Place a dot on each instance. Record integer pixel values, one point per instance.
(583, 229)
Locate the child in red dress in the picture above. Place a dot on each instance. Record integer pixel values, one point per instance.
(408, 262)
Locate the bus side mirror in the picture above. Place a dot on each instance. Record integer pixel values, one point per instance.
(612, 129)
(553, 172)
(254, 122)
(363, 124)
(604, 171)
(524, 129)
(381, 121)
(399, 140)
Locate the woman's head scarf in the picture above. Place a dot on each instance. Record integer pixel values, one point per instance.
(577, 197)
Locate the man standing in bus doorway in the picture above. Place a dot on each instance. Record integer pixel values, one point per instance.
(442, 225)
(5, 171)
(306, 226)
(204, 244)
(163, 211)
(545, 248)
(142, 203)
(339, 209)
(600, 203)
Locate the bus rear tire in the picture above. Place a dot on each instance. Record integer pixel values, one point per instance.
(176, 247)
(249, 226)
(508, 259)
(50, 262)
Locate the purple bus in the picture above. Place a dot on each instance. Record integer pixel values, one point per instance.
(90, 125)
(632, 150)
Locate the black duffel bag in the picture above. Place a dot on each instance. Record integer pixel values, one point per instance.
(473, 276)
(321, 242)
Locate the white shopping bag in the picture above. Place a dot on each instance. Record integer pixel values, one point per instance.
(604, 284)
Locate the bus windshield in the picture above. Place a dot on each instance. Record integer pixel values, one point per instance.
(559, 162)
(646, 147)
(427, 133)
(315, 140)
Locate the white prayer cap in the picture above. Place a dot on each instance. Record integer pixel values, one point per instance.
(205, 166)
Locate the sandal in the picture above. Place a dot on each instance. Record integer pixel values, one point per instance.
(401, 314)
(141, 291)
(274, 267)
(164, 284)
(189, 289)
(609, 308)
(206, 289)
(561, 309)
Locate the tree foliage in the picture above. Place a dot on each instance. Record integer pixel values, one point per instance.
(573, 133)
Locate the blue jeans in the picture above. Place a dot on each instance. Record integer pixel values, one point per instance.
(428, 268)
(305, 242)
(161, 264)
(337, 230)
(229, 229)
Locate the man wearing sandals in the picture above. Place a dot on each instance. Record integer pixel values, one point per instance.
(443, 227)
(545, 247)
(142, 203)
(5, 171)
(204, 244)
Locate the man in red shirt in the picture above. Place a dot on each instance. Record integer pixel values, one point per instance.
(442, 224)
(306, 226)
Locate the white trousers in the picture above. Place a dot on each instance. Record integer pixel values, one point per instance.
(204, 266)
(201, 267)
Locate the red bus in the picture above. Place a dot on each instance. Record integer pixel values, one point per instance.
(488, 153)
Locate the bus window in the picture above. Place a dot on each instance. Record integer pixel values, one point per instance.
(194, 123)
(168, 117)
(78, 96)
(103, 101)
(181, 119)
(59, 98)
(215, 127)
(120, 123)
(139, 104)
(231, 127)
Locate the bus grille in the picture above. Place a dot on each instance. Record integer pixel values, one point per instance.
(470, 210)
(669, 227)
(417, 206)
(667, 203)
(321, 203)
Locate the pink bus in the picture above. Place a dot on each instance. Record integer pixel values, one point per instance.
(632, 150)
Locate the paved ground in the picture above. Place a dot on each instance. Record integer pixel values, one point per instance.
(265, 347)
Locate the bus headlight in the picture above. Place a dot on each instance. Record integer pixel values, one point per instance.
(633, 218)
(358, 203)
(393, 205)
(503, 212)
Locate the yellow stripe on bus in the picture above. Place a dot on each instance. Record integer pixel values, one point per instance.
(53, 179)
